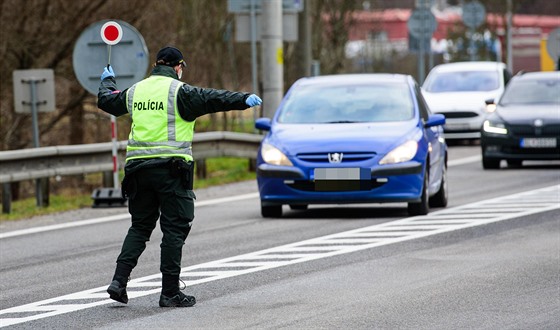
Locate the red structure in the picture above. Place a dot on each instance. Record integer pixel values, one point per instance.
(528, 30)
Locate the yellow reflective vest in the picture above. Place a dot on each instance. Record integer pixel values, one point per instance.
(157, 130)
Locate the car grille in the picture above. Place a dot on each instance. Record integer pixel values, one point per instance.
(324, 157)
(459, 114)
(304, 185)
(528, 151)
(529, 130)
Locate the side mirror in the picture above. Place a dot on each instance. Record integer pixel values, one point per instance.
(435, 120)
(263, 124)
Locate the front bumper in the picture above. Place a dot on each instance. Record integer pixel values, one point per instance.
(507, 147)
(463, 128)
(387, 183)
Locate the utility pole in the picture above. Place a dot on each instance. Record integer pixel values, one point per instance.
(304, 41)
(509, 61)
(272, 56)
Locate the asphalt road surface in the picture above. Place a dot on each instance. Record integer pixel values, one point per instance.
(490, 260)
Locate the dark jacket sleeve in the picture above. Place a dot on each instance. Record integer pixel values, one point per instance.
(111, 100)
(194, 102)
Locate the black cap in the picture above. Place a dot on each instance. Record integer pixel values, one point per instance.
(170, 56)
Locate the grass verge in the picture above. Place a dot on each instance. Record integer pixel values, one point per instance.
(219, 171)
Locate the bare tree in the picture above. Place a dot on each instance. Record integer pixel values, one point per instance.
(42, 34)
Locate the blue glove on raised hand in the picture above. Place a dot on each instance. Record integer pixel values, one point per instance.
(108, 72)
(253, 100)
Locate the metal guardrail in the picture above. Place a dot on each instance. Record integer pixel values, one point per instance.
(44, 162)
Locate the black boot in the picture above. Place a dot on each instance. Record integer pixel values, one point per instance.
(117, 288)
(171, 295)
(178, 300)
(117, 291)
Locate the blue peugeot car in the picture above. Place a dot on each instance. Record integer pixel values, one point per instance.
(352, 138)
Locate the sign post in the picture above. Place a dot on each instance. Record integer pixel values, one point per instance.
(93, 50)
(421, 25)
(474, 15)
(34, 92)
(111, 34)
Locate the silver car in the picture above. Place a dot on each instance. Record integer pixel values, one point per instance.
(459, 91)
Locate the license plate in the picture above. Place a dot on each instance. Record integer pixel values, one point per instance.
(456, 126)
(538, 143)
(347, 173)
(342, 179)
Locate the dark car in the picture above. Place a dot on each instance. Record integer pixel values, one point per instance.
(525, 123)
(355, 138)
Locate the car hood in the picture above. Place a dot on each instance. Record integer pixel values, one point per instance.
(450, 101)
(357, 137)
(527, 114)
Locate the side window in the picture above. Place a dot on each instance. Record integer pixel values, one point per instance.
(507, 77)
(422, 106)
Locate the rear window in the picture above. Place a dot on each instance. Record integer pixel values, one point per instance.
(348, 104)
(464, 81)
(543, 91)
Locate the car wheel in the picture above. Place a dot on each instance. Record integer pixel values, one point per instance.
(440, 198)
(490, 163)
(298, 207)
(422, 207)
(272, 211)
(514, 162)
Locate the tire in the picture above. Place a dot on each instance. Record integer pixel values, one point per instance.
(298, 207)
(490, 163)
(422, 207)
(440, 198)
(272, 211)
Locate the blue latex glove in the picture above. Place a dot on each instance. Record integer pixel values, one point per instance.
(253, 100)
(108, 72)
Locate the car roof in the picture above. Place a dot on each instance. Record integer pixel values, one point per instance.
(538, 75)
(354, 78)
(469, 66)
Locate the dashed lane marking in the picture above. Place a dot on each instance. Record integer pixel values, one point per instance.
(447, 220)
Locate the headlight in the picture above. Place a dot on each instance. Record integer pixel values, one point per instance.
(272, 155)
(490, 107)
(402, 153)
(495, 128)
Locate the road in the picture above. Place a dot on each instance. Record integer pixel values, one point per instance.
(490, 260)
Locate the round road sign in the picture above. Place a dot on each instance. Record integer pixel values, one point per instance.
(129, 58)
(422, 23)
(111, 33)
(553, 44)
(474, 14)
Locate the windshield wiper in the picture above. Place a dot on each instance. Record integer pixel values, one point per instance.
(342, 122)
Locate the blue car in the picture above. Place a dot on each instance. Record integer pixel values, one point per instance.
(352, 138)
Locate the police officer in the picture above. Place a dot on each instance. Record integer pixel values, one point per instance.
(159, 164)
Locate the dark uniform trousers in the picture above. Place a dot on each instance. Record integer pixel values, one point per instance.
(155, 191)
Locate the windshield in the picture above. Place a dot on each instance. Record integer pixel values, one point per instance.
(466, 81)
(348, 104)
(545, 91)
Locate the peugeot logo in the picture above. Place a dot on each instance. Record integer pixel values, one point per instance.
(538, 123)
(335, 158)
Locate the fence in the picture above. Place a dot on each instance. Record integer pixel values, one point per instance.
(46, 162)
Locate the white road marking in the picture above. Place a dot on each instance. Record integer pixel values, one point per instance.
(117, 217)
(316, 248)
(126, 216)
